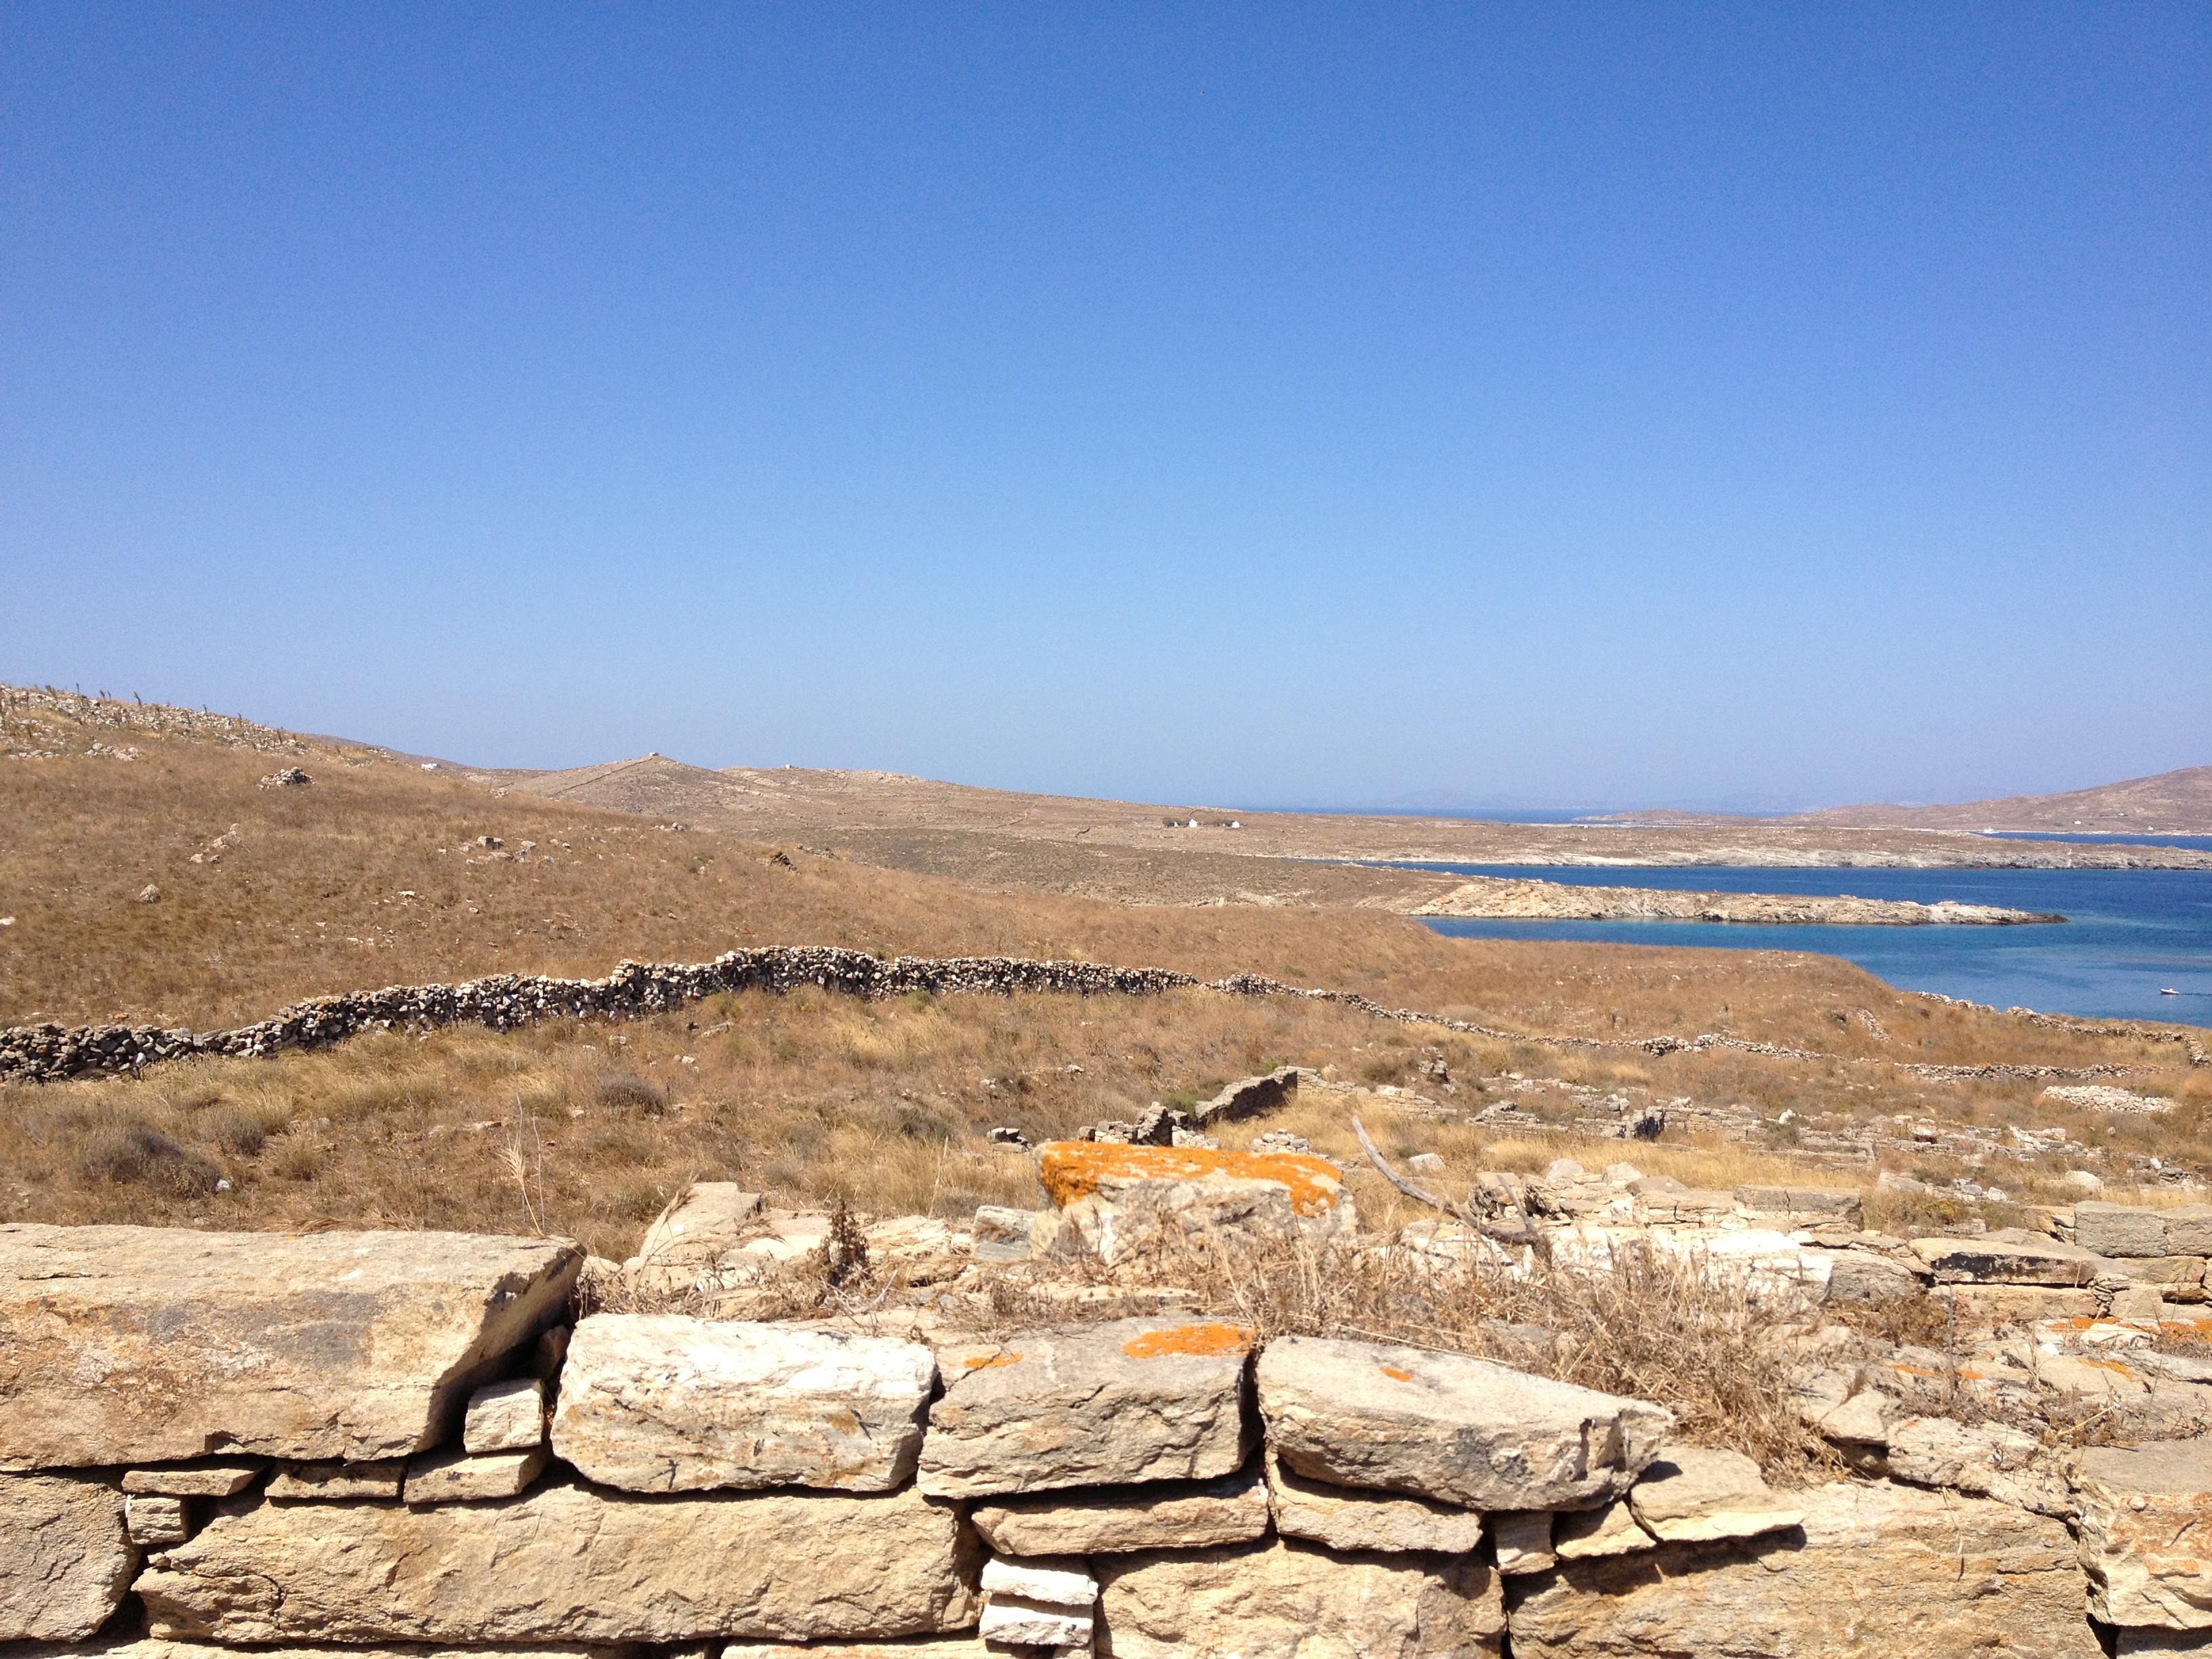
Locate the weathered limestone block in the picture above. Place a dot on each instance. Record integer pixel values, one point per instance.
(1865, 1276)
(458, 1476)
(65, 1561)
(662, 1402)
(2122, 1229)
(1878, 1572)
(1447, 1427)
(2188, 1231)
(2146, 1533)
(206, 1476)
(571, 1563)
(1985, 1458)
(686, 1240)
(1348, 1519)
(506, 1417)
(1803, 1206)
(1167, 1515)
(1250, 1097)
(1523, 1541)
(312, 1482)
(1289, 1600)
(1588, 1534)
(1130, 1401)
(2015, 1257)
(141, 1344)
(150, 1520)
(1983, 1309)
(1002, 1234)
(1695, 1493)
(912, 1647)
(1116, 1199)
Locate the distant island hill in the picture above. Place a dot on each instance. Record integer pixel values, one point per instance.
(1170, 853)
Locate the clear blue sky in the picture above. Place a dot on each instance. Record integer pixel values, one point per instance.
(1249, 405)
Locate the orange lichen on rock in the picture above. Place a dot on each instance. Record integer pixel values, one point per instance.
(1074, 1169)
(983, 1362)
(1394, 1373)
(1189, 1339)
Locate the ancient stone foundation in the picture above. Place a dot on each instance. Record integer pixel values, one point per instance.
(385, 1443)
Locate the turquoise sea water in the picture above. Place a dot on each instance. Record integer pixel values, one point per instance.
(2129, 934)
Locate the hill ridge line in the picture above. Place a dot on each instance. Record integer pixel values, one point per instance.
(53, 1052)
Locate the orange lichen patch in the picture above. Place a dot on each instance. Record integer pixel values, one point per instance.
(1393, 1372)
(1189, 1339)
(2190, 1330)
(2110, 1365)
(983, 1362)
(1075, 1169)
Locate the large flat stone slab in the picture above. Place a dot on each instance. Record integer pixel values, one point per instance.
(2145, 1532)
(1296, 1600)
(2121, 1229)
(1877, 1572)
(142, 1345)
(65, 1561)
(1116, 1199)
(662, 1402)
(1127, 1401)
(1447, 1427)
(155, 1647)
(2018, 1258)
(1168, 1515)
(570, 1562)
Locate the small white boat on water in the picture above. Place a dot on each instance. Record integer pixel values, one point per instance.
(2167, 991)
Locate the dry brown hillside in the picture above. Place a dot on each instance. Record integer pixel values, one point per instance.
(1185, 853)
(377, 873)
(2173, 803)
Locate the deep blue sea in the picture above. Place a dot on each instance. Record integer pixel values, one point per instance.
(2130, 932)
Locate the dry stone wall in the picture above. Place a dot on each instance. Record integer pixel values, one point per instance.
(51, 1053)
(372, 1445)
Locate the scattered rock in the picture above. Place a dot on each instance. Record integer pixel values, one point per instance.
(664, 1402)
(2081, 1183)
(1001, 1234)
(1117, 1199)
(1427, 1162)
(1281, 1599)
(1450, 1428)
(149, 893)
(574, 1563)
(1006, 1136)
(65, 1560)
(287, 777)
(1125, 1401)
(1564, 1172)
(1251, 1097)
(145, 1344)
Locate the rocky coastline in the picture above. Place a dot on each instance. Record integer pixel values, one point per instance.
(1512, 898)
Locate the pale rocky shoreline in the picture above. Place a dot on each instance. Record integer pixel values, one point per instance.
(1511, 898)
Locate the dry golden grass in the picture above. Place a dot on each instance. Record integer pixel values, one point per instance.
(369, 877)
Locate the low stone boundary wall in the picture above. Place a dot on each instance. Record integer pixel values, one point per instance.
(360, 1441)
(53, 1052)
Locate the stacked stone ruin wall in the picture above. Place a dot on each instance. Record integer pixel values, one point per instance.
(53, 1052)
